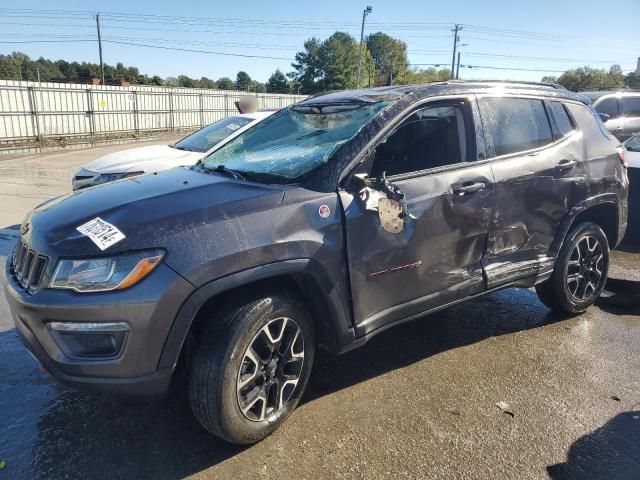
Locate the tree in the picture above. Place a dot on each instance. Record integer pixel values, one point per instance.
(186, 82)
(308, 74)
(549, 79)
(259, 87)
(225, 83)
(205, 82)
(586, 78)
(389, 56)
(339, 61)
(277, 83)
(243, 81)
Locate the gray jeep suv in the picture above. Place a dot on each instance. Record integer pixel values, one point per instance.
(329, 222)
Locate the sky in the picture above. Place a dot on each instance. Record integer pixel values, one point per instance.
(532, 39)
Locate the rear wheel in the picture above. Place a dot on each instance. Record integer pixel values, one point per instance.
(580, 272)
(248, 375)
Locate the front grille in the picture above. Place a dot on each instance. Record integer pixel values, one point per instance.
(28, 267)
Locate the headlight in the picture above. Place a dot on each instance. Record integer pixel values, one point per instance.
(110, 177)
(101, 274)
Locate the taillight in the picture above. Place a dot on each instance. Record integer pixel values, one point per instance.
(622, 155)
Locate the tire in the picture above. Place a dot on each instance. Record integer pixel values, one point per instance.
(279, 322)
(579, 274)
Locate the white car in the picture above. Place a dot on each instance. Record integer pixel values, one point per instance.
(633, 151)
(154, 158)
(632, 156)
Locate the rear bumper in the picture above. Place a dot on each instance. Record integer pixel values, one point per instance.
(149, 309)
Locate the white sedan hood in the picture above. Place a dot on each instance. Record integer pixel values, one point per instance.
(143, 159)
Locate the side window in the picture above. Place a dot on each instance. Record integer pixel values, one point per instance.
(560, 118)
(609, 106)
(631, 106)
(431, 137)
(519, 124)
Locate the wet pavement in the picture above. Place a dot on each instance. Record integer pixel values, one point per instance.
(418, 401)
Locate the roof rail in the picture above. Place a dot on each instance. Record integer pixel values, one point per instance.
(555, 86)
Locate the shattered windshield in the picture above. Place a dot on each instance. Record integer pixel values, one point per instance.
(293, 141)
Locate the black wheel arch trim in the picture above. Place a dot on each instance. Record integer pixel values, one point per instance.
(340, 320)
(608, 199)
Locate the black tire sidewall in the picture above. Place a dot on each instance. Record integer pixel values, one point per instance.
(236, 338)
(568, 302)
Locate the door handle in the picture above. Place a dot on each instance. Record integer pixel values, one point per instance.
(468, 187)
(566, 164)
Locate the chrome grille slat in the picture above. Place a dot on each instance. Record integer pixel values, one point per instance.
(28, 267)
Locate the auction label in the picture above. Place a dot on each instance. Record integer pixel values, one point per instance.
(102, 233)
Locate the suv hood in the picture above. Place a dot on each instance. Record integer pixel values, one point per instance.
(147, 159)
(152, 211)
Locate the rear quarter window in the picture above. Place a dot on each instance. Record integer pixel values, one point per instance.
(561, 119)
(517, 124)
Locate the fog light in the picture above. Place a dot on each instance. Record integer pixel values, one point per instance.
(89, 339)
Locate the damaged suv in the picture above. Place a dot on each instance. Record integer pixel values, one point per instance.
(327, 223)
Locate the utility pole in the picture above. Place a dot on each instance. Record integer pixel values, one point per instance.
(455, 31)
(458, 67)
(100, 46)
(366, 12)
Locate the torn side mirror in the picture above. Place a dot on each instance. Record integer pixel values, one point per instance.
(392, 210)
(390, 213)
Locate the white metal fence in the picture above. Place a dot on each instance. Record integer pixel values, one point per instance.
(33, 112)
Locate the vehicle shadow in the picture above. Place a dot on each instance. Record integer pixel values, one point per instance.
(79, 436)
(611, 451)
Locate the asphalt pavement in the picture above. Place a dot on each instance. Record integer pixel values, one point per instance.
(496, 388)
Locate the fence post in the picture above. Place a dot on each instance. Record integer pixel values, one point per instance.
(201, 105)
(226, 104)
(171, 122)
(34, 113)
(136, 119)
(91, 114)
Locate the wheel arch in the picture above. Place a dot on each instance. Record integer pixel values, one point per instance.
(602, 210)
(302, 276)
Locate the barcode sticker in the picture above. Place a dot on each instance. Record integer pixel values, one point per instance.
(102, 233)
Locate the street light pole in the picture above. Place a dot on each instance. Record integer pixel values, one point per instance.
(366, 12)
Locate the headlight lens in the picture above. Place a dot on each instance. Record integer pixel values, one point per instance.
(105, 273)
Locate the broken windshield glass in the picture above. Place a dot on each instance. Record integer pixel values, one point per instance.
(293, 141)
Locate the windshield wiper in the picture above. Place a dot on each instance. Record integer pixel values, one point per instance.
(225, 171)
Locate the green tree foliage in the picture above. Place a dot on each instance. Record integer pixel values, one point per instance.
(277, 83)
(427, 75)
(307, 73)
(243, 81)
(225, 83)
(329, 65)
(587, 78)
(389, 56)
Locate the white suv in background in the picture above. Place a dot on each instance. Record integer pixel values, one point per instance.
(154, 158)
(620, 111)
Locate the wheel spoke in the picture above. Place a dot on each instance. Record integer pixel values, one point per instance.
(270, 369)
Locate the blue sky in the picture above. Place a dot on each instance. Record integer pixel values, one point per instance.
(536, 35)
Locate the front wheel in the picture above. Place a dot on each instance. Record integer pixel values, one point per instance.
(580, 271)
(251, 369)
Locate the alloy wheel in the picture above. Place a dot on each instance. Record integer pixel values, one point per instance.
(585, 268)
(270, 369)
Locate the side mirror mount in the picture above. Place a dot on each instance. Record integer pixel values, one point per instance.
(604, 117)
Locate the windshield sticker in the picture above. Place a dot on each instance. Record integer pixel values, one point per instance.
(233, 126)
(324, 211)
(102, 233)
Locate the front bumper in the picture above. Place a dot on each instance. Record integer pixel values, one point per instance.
(149, 308)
